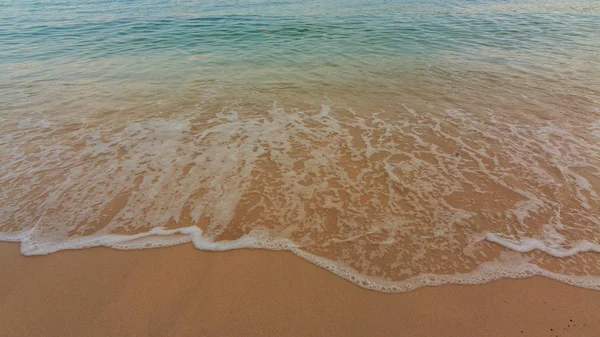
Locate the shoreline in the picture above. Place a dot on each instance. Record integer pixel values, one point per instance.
(182, 291)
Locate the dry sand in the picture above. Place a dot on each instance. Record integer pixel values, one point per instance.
(180, 291)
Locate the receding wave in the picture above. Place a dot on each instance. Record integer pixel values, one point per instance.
(390, 200)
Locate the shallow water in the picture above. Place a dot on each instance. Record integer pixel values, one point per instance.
(396, 143)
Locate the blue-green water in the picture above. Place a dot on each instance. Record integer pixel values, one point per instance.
(396, 143)
(291, 43)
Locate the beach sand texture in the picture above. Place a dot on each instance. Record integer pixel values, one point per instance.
(179, 291)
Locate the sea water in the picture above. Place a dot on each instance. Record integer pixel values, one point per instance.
(396, 143)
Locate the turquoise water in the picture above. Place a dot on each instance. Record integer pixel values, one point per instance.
(396, 143)
(291, 43)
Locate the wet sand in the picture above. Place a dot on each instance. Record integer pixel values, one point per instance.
(180, 291)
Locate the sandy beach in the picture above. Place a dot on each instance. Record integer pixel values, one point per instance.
(181, 291)
(314, 168)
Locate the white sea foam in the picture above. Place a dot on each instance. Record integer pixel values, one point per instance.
(510, 265)
(545, 245)
(390, 202)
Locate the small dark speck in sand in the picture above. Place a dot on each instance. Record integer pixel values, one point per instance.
(551, 329)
